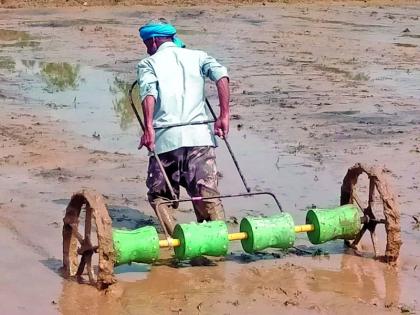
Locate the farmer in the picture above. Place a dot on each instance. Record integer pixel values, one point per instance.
(171, 84)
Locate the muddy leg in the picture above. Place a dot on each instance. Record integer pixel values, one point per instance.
(166, 212)
(211, 209)
(158, 190)
(201, 179)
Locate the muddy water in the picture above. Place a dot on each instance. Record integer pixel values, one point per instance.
(315, 88)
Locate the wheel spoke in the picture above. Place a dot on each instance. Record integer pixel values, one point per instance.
(81, 266)
(359, 236)
(374, 242)
(76, 233)
(371, 197)
(88, 222)
(89, 269)
(357, 200)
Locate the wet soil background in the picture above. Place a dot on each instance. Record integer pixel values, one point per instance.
(315, 88)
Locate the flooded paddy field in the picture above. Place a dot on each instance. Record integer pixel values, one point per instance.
(315, 89)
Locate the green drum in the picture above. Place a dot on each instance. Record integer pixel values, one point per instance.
(277, 231)
(140, 245)
(330, 224)
(197, 239)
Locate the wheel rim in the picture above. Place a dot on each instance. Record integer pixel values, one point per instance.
(77, 244)
(391, 211)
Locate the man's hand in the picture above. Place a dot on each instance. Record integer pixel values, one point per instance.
(148, 139)
(221, 127)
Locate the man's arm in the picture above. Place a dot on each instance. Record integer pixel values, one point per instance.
(218, 73)
(148, 94)
(221, 126)
(148, 137)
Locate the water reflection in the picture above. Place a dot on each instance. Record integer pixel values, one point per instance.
(121, 102)
(85, 86)
(60, 76)
(29, 64)
(361, 278)
(7, 63)
(95, 99)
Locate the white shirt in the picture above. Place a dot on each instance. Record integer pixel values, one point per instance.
(175, 77)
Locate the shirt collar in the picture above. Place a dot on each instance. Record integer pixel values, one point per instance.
(167, 44)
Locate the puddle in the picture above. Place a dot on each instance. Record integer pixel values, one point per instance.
(403, 81)
(124, 217)
(132, 272)
(94, 100)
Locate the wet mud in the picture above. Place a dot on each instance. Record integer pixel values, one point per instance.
(315, 89)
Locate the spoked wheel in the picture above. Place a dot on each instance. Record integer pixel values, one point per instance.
(87, 244)
(391, 212)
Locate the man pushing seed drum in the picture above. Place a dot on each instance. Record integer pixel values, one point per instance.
(171, 82)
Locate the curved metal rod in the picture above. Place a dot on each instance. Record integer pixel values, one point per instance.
(245, 194)
(174, 197)
(162, 169)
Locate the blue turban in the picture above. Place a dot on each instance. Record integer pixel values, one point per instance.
(160, 29)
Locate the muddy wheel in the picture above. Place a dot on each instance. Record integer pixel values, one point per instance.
(85, 244)
(391, 212)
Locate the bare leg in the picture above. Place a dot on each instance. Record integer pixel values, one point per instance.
(211, 209)
(166, 213)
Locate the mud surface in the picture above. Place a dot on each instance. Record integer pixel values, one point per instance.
(315, 89)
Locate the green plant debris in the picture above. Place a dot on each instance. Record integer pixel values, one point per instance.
(7, 63)
(60, 76)
(347, 74)
(12, 35)
(359, 77)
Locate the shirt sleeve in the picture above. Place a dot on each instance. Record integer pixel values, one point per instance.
(212, 69)
(147, 80)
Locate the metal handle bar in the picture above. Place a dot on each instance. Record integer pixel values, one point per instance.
(245, 194)
(201, 122)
